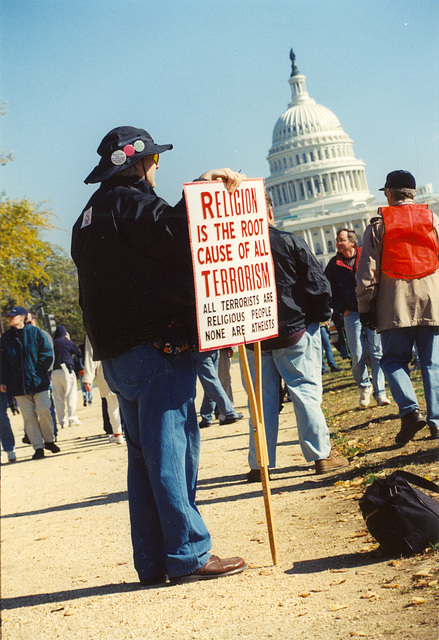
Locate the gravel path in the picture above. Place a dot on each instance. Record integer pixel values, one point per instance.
(66, 553)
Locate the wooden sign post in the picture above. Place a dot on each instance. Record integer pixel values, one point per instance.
(256, 410)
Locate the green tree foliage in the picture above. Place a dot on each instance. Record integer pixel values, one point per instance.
(23, 255)
(34, 273)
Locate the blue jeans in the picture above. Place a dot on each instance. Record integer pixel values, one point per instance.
(359, 340)
(87, 396)
(156, 395)
(52, 411)
(6, 434)
(206, 363)
(300, 367)
(397, 354)
(326, 350)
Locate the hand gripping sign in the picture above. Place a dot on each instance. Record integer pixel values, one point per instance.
(235, 287)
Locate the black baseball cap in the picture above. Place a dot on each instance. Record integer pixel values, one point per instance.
(399, 179)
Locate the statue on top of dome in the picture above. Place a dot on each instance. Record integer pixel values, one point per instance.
(294, 69)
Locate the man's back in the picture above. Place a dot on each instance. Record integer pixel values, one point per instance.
(303, 291)
(399, 302)
(134, 266)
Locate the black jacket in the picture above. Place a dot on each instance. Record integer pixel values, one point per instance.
(64, 349)
(132, 252)
(343, 284)
(303, 292)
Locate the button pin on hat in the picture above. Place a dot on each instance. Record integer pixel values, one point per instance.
(118, 157)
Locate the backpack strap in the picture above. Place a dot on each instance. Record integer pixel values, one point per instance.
(418, 480)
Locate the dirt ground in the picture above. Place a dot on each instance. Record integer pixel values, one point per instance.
(67, 570)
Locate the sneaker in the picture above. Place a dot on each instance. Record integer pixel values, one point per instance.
(25, 439)
(335, 368)
(231, 419)
(51, 446)
(116, 437)
(434, 433)
(74, 421)
(64, 424)
(204, 423)
(383, 400)
(365, 393)
(331, 463)
(85, 403)
(11, 456)
(39, 453)
(411, 423)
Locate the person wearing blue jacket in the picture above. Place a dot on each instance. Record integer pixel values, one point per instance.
(26, 357)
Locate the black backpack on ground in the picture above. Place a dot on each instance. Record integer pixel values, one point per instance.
(401, 518)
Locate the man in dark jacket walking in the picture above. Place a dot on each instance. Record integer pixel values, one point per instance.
(26, 357)
(303, 299)
(65, 390)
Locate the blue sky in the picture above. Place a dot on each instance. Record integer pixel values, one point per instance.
(212, 78)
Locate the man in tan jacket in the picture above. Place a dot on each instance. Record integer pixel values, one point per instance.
(398, 293)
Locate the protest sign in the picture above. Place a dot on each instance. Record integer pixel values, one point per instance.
(235, 286)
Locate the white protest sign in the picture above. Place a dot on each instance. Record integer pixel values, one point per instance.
(233, 269)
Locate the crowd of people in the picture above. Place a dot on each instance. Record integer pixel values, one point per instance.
(384, 297)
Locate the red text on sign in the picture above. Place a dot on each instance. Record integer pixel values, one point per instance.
(224, 205)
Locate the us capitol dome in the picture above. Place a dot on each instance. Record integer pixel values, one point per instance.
(316, 182)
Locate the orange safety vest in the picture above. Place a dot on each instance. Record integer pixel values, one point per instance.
(410, 243)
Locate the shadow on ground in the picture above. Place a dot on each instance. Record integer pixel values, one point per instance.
(73, 594)
(343, 561)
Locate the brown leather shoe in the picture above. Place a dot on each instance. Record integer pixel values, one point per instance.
(214, 568)
(331, 463)
(411, 423)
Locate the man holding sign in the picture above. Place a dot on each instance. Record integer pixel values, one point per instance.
(303, 298)
(133, 256)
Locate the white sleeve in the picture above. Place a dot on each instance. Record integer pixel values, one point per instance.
(89, 364)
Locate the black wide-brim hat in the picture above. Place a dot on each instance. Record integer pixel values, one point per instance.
(121, 148)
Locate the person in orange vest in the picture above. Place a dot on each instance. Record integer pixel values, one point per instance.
(398, 293)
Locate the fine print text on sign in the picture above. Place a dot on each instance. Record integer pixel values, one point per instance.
(234, 275)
